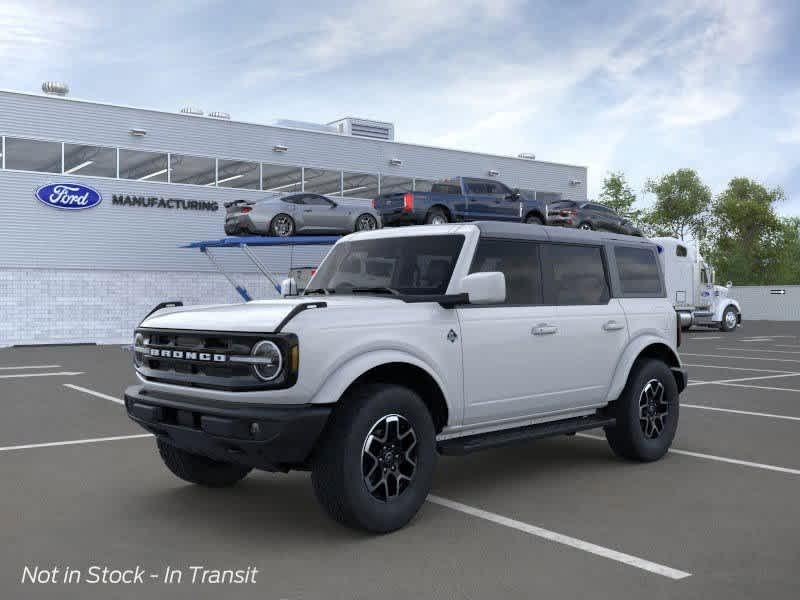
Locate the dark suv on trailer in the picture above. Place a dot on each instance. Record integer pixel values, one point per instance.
(590, 216)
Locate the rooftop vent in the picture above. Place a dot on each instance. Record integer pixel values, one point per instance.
(192, 110)
(216, 114)
(55, 88)
(527, 155)
(376, 130)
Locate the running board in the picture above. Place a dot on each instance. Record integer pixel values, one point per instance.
(505, 437)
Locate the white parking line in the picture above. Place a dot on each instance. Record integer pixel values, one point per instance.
(756, 340)
(786, 345)
(791, 360)
(552, 536)
(741, 412)
(721, 381)
(760, 350)
(761, 387)
(64, 373)
(724, 459)
(30, 367)
(93, 393)
(75, 442)
(702, 337)
(737, 368)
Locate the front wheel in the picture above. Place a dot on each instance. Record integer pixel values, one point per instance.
(282, 226)
(646, 413)
(374, 464)
(586, 226)
(200, 469)
(534, 220)
(730, 319)
(366, 222)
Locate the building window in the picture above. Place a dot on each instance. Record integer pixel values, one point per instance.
(90, 160)
(360, 185)
(33, 155)
(195, 170)
(238, 174)
(281, 178)
(423, 185)
(396, 185)
(323, 181)
(144, 166)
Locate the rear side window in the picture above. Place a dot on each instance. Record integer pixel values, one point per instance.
(638, 272)
(519, 262)
(680, 251)
(577, 275)
(446, 188)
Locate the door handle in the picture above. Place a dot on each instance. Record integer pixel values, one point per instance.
(308, 210)
(613, 326)
(544, 329)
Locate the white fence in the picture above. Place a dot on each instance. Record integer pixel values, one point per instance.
(768, 302)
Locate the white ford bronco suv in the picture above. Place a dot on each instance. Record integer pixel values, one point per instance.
(413, 342)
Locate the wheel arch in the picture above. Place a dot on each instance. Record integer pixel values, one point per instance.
(648, 346)
(535, 212)
(720, 310)
(390, 367)
(444, 209)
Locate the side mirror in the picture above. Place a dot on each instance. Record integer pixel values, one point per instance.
(333, 204)
(729, 285)
(485, 288)
(289, 287)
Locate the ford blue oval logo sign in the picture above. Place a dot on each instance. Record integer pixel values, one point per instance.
(68, 196)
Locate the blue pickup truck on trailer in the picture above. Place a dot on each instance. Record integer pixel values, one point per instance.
(461, 199)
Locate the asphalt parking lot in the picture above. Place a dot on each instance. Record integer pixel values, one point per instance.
(719, 517)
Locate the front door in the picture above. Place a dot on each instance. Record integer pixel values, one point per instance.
(320, 214)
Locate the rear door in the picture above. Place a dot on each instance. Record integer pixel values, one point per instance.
(591, 330)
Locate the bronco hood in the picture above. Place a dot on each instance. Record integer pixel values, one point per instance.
(261, 316)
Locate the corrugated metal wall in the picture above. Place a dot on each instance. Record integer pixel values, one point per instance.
(768, 303)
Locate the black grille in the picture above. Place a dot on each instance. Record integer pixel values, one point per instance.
(204, 373)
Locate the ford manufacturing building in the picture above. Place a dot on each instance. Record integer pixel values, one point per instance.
(90, 275)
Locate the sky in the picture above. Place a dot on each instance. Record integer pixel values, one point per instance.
(639, 87)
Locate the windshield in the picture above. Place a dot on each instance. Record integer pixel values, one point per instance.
(402, 265)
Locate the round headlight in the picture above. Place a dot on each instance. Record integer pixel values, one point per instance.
(270, 360)
(138, 357)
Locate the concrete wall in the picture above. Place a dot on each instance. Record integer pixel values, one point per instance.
(761, 303)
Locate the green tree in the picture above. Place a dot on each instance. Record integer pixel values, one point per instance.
(681, 205)
(749, 242)
(618, 195)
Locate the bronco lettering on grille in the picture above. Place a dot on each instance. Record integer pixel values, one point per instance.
(180, 354)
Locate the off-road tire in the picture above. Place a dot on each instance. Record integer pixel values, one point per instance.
(723, 326)
(436, 215)
(200, 469)
(534, 220)
(338, 461)
(627, 437)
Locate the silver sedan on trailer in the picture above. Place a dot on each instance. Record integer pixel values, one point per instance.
(283, 215)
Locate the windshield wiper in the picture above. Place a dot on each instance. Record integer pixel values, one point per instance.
(324, 291)
(375, 290)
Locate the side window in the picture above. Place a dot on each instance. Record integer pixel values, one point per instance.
(680, 251)
(473, 187)
(518, 261)
(294, 199)
(703, 276)
(638, 272)
(577, 275)
(316, 201)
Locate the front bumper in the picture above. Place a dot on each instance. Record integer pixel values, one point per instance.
(269, 437)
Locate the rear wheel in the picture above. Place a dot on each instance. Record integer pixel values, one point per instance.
(534, 220)
(646, 412)
(366, 222)
(373, 467)
(436, 216)
(282, 225)
(586, 226)
(730, 319)
(200, 469)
